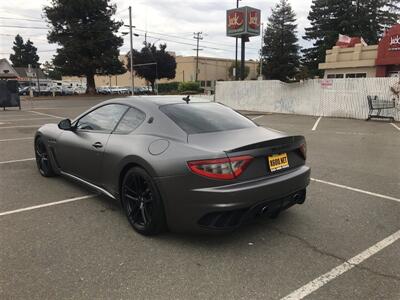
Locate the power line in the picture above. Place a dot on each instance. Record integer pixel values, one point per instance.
(48, 28)
(149, 36)
(160, 34)
(189, 39)
(184, 43)
(5, 53)
(22, 19)
(24, 27)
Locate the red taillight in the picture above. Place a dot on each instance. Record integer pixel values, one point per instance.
(303, 150)
(221, 168)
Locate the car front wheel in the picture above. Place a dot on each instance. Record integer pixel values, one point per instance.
(42, 159)
(142, 202)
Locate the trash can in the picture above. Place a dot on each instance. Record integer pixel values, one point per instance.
(9, 94)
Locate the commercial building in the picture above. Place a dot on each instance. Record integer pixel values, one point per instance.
(355, 59)
(210, 70)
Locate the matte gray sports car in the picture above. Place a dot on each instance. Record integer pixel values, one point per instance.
(195, 166)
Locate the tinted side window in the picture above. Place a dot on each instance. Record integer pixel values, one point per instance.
(102, 119)
(205, 117)
(130, 121)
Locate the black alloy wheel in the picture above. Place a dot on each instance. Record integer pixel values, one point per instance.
(42, 159)
(142, 202)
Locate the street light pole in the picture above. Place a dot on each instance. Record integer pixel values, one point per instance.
(131, 52)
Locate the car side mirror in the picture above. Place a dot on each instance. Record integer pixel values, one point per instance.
(65, 124)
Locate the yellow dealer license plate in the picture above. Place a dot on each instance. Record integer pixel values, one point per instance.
(278, 162)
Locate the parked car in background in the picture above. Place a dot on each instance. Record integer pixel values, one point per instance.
(79, 90)
(116, 90)
(24, 90)
(67, 90)
(103, 90)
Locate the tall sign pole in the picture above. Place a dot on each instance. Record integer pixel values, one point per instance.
(243, 58)
(131, 52)
(243, 22)
(261, 51)
(236, 51)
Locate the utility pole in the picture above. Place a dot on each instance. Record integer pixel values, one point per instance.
(131, 52)
(198, 36)
(37, 78)
(236, 51)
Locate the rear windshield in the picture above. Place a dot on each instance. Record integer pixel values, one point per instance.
(205, 117)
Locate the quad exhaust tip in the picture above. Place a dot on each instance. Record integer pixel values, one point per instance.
(299, 198)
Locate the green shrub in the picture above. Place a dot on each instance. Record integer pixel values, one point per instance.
(165, 88)
(191, 86)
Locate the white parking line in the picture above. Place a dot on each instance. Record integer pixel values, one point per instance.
(395, 126)
(20, 126)
(43, 114)
(256, 118)
(10, 212)
(15, 161)
(13, 116)
(356, 190)
(63, 107)
(319, 282)
(316, 124)
(17, 139)
(31, 119)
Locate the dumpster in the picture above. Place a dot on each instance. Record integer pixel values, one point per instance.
(9, 94)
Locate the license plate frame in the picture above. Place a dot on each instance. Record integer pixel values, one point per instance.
(278, 162)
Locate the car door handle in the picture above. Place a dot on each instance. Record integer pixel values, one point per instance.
(98, 145)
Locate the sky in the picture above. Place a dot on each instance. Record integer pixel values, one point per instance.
(166, 21)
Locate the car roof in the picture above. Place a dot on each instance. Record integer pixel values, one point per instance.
(154, 101)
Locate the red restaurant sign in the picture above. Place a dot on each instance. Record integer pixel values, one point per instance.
(389, 47)
(235, 20)
(243, 21)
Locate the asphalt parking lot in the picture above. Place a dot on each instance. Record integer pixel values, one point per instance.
(343, 243)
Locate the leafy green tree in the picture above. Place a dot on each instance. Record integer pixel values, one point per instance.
(86, 33)
(165, 63)
(51, 71)
(302, 74)
(30, 55)
(328, 18)
(189, 87)
(18, 48)
(24, 53)
(373, 17)
(280, 51)
(238, 70)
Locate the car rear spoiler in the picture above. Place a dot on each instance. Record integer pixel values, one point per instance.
(274, 144)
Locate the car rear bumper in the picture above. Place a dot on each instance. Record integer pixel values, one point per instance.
(225, 207)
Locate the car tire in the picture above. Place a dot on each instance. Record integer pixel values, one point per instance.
(43, 160)
(142, 202)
